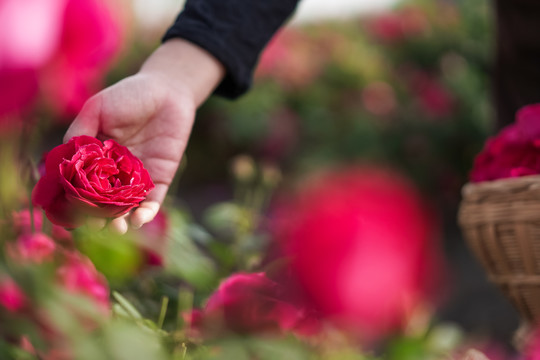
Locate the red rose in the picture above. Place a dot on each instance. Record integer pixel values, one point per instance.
(87, 177)
(361, 248)
(246, 303)
(514, 151)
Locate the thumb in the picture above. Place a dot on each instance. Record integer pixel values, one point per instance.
(87, 122)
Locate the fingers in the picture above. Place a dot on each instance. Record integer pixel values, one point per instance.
(119, 225)
(95, 223)
(87, 122)
(144, 214)
(150, 207)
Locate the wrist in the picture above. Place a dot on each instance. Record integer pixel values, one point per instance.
(184, 65)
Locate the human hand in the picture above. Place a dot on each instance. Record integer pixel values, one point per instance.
(152, 113)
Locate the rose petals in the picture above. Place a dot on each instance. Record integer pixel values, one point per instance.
(87, 177)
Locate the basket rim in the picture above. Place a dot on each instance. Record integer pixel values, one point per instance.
(510, 184)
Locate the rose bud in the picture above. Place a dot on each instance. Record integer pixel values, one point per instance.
(88, 177)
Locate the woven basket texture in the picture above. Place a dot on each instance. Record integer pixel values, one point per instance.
(500, 221)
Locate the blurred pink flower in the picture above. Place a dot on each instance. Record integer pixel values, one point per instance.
(33, 247)
(361, 246)
(289, 60)
(433, 98)
(532, 346)
(91, 36)
(247, 303)
(29, 34)
(11, 296)
(79, 275)
(399, 25)
(514, 151)
(58, 47)
(281, 136)
(18, 90)
(152, 238)
(23, 225)
(379, 98)
(30, 31)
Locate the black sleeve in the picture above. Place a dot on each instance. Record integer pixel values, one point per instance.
(234, 31)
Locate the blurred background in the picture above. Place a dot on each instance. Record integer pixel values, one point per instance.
(398, 83)
(392, 84)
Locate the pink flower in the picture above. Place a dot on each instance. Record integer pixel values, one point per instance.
(79, 275)
(361, 248)
(379, 98)
(32, 247)
(289, 60)
(433, 98)
(59, 46)
(29, 34)
(88, 177)
(153, 239)
(514, 151)
(23, 225)
(18, 90)
(281, 136)
(30, 31)
(247, 303)
(399, 25)
(91, 36)
(11, 296)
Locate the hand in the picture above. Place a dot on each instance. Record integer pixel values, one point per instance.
(152, 113)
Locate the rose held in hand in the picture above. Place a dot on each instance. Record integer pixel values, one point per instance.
(87, 177)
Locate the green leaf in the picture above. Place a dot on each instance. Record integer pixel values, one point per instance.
(127, 306)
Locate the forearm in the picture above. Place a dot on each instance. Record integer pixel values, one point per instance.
(185, 66)
(234, 31)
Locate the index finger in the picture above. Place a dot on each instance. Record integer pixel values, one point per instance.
(87, 122)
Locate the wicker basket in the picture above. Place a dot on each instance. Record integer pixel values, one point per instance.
(501, 224)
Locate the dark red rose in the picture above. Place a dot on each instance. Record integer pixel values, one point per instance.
(361, 249)
(514, 151)
(248, 303)
(88, 177)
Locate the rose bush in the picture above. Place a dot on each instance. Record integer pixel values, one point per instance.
(514, 151)
(88, 177)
